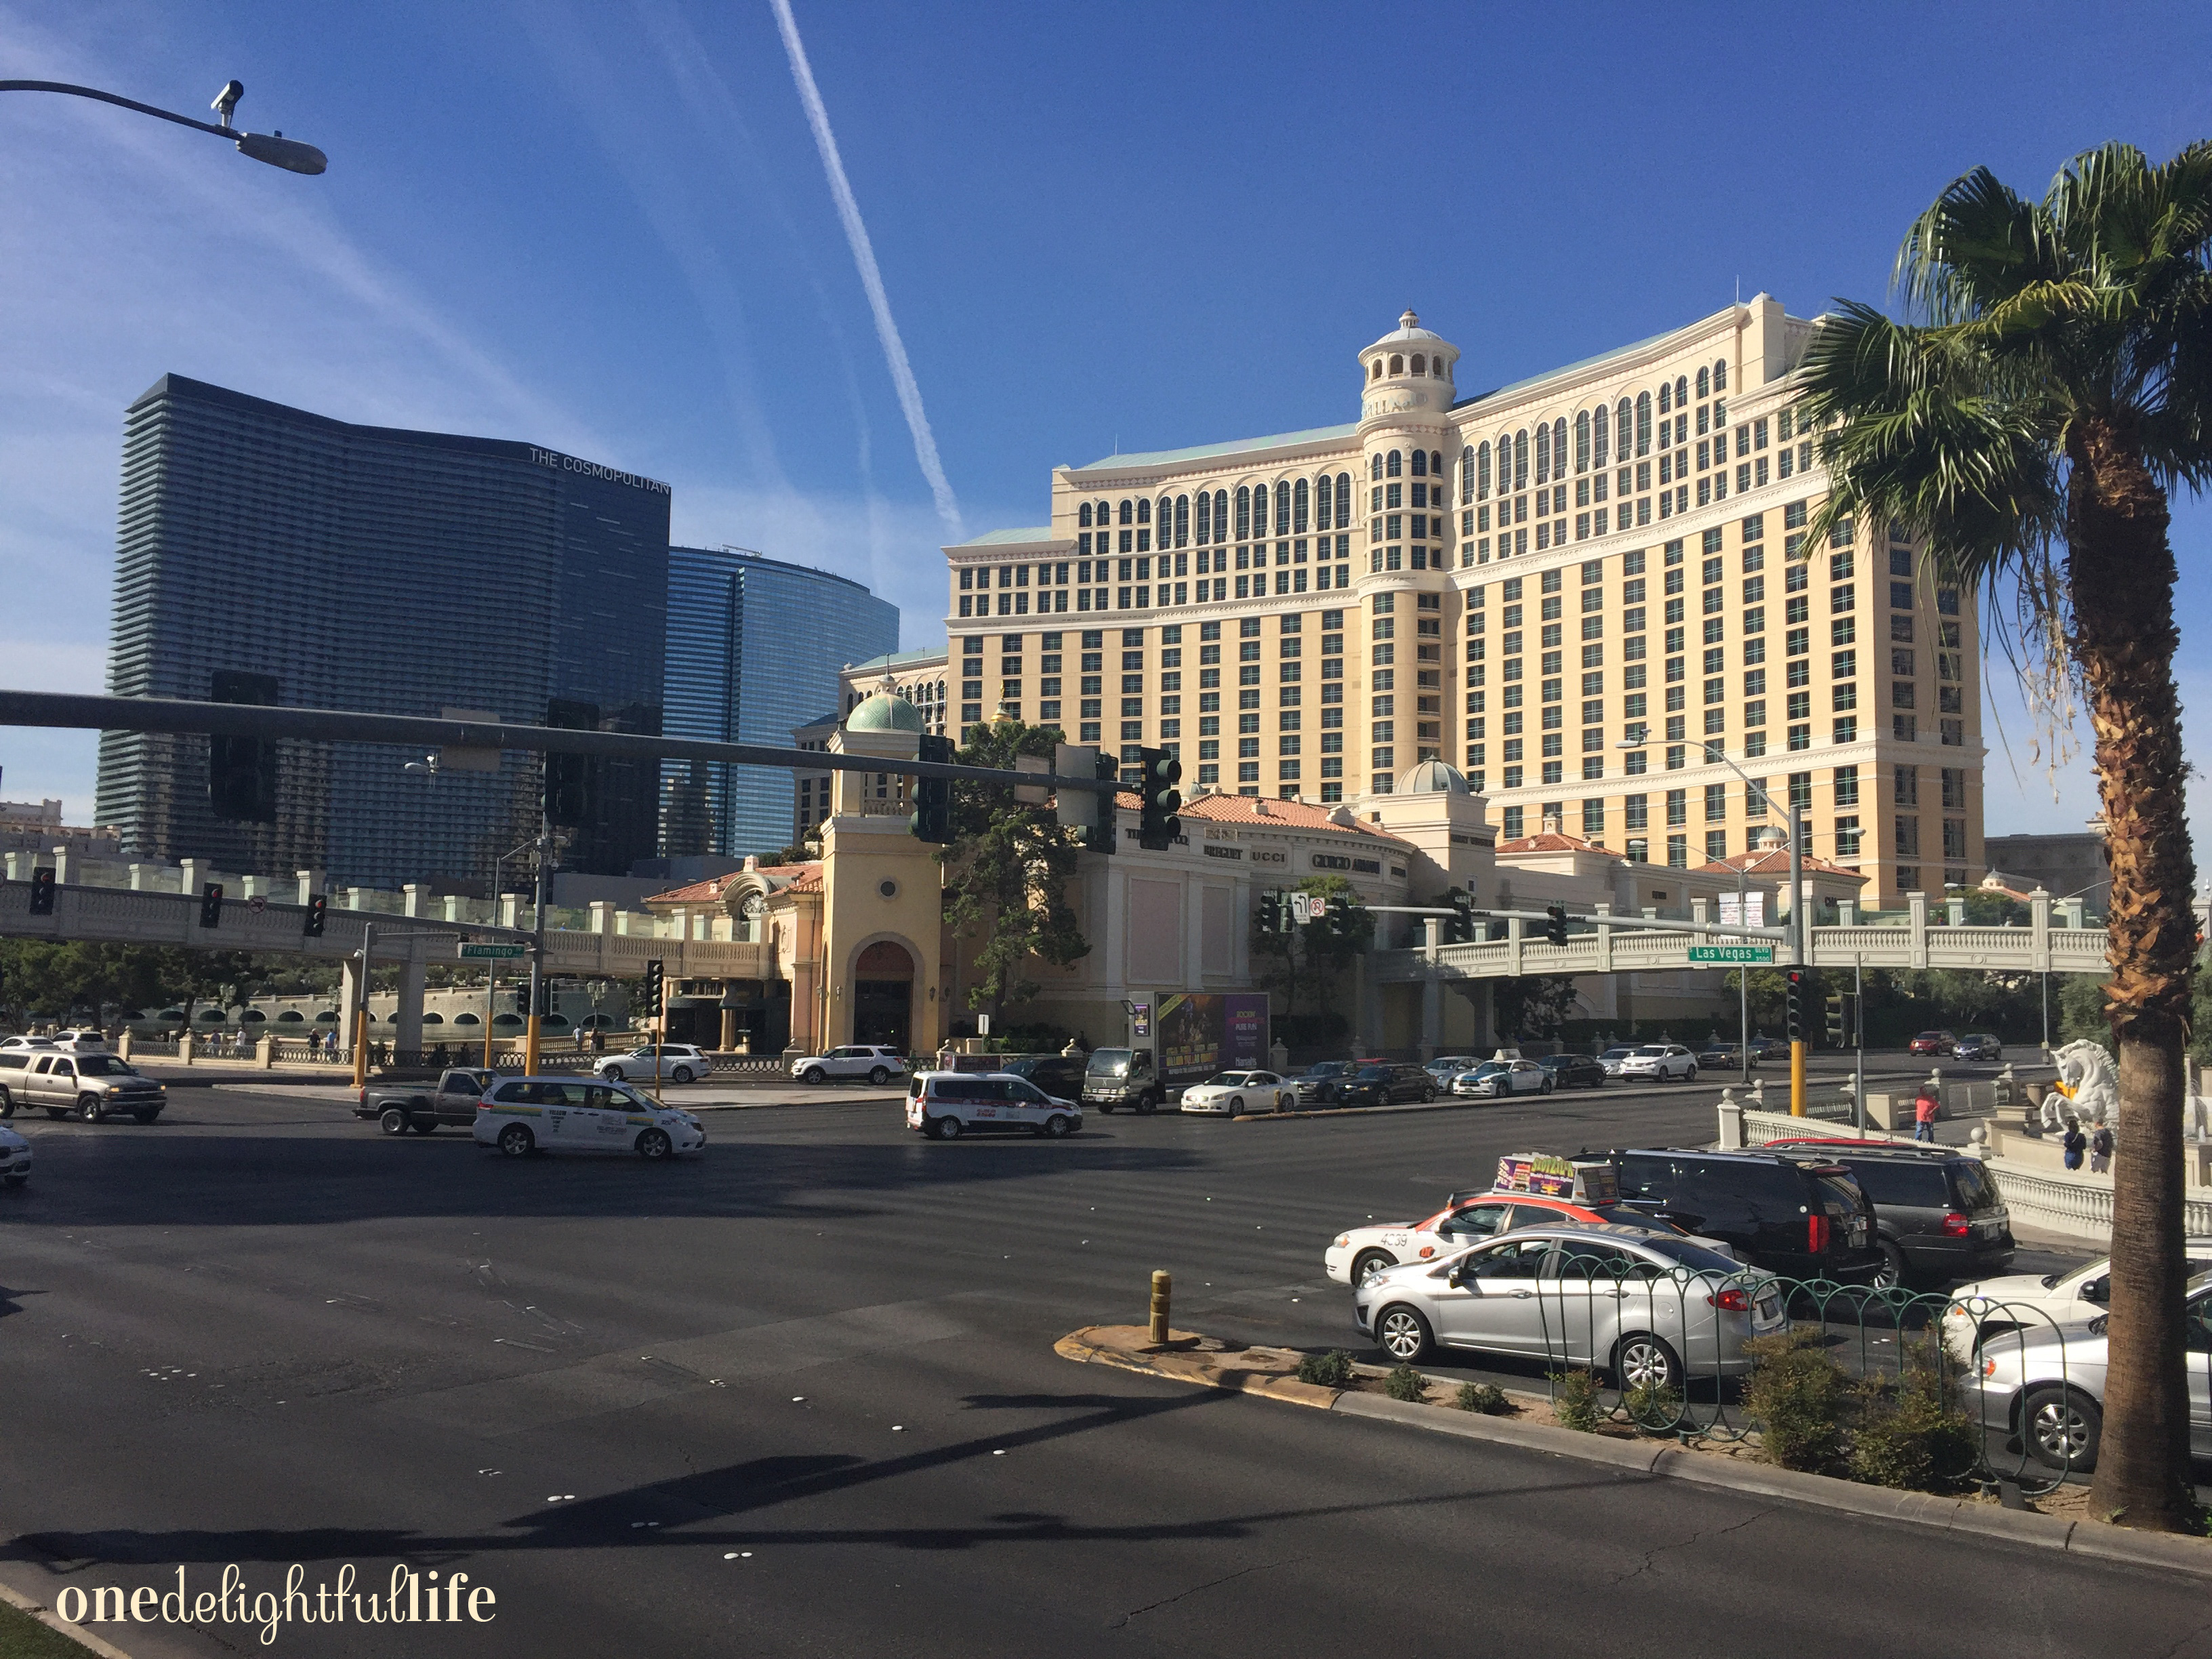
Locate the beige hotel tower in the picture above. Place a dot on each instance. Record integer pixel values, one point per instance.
(1564, 588)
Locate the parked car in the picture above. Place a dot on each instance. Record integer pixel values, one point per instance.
(1358, 1254)
(1445, 1067)
(872, 1061)
(1978, 1045)
(1799, 1217)
(12, 1044)
(1618, 1299)
(15, 1158)
(2036, 1302)
(1767, 1048)
(1725, 1057)
(1934, 1042)
(1568, 1070)
(93, 1085)
(1613, 1057)
(1666, 1061)
(2045, 1389)
(1504, 1076)
(1938, 1214)
(945, 1105)
(1385, 1083)
(84, 1040)
(526, 1114)
(1229, 1094)
(1321, 1084)
(1057, 1075)
(680, 1062)
(399, 1108)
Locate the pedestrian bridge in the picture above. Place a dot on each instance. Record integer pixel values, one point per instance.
(1908, 938)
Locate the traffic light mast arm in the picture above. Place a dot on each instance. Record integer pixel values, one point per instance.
(1654, 923)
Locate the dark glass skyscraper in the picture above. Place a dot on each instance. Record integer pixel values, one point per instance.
(754, 649)
(405, 572)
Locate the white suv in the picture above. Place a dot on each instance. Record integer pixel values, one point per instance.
(878, 1065)
(680, 1062)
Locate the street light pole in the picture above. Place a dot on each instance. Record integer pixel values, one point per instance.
(274, 148)
(538, 938)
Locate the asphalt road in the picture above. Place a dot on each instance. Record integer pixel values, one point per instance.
(799, 1397)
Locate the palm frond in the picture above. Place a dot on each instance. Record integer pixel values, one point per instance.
(1978, 242)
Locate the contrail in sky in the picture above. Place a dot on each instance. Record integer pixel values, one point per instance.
(864, 255)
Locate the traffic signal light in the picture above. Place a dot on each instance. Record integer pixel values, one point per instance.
(1800, 987)
(1459, 927)
(655, 988)
(318, 913)
(522, 1000)
(1836, 1031)
(933, 797)
(1102, 833)
(42, 892)
(1271, 915)
(1555, 923)
(242, 771)
(1159, 798)
(212, 905)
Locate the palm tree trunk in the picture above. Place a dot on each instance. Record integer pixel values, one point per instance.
(2121, 575)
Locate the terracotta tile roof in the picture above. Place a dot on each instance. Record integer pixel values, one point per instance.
(1267, 812)
(1550, 841)
(706, 892)
(1775, 862)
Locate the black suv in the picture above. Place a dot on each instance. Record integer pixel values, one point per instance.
(1938, 1216)
(1322, 1083)
(1385, 1083)
(1798, 1215)
(1567, 1069)
(1057, 1075)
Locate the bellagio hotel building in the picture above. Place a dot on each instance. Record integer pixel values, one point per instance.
(1568, 588)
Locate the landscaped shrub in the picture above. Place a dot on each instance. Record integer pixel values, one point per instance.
(1406, 1383)
(1800, 1399)
(1332, 1370)
(1485, 1397)
(1655, 1408)
(1575, 1401)
(1913, 1432)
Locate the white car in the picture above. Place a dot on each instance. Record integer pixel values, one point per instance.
(1504, 1076)
(16, 1044)
(1663, 1060)
(2036, 1302)
(526, 1114)
(945, 1105)
(871, 1061)
(15, 1158)
(1232, 1094)
(1445, 1067)
(680, 1062)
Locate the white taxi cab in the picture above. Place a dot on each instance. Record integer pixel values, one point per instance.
(525, 1115)
(945, 1105)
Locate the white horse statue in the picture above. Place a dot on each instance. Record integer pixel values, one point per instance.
(2086, 1083)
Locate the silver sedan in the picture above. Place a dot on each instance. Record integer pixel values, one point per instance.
(1653, 1311)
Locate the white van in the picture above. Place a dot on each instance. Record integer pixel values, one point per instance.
(945, 1105)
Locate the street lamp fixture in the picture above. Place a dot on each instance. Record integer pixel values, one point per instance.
(274, 147)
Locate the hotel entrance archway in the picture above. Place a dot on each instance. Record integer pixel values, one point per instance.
(882, 995)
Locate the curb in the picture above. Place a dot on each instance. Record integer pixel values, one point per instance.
(53, 1621)
(1661, 1459)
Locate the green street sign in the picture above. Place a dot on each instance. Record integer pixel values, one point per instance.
(1732, 953)
(504, 952)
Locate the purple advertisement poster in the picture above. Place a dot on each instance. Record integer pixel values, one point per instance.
(1245, 1037)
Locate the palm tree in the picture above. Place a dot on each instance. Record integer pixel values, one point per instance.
(2053, 385)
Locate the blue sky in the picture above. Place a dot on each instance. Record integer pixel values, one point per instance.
(606, 227)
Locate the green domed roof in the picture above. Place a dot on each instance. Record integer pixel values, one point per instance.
(1433, 777)
(885, 713)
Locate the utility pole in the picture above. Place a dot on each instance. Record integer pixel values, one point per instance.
(361, 1011)
(537, 936)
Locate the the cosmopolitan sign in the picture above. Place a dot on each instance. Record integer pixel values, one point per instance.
(555, 459)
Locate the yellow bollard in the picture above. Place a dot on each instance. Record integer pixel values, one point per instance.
(1161, 1285)
(1797, 1079)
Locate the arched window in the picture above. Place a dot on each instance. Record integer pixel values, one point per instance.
(1467, 474)
(1560, 447)
(1583, 442)
(1397, 364)
(1420, 364)
(1128, 513)
(1083, 515)
(1598, 438)
(1243, 513)
(1420, 464)
(1182, 521)
(1720, 375)
(1374, 370)
(1520, 462)
(1437, 366)
(1344, 500)
(1643, 419)
(1144, 512)
(1482, 472)
(1666, 397)
(1543, 453)
(1283, 507)
(1205, 518)
(1437, 463)
(1705, 382)
(1624, 429)
(1375, 465)
(1393, 463)
(1220, 515)
(1298, 508)
(1324, 506)
(1682, 390)
(1259, 510)
(1166, 519)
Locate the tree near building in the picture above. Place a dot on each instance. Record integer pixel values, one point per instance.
(1310, 960)
(1007, 870)
(1532, 1007)
(2052, 385)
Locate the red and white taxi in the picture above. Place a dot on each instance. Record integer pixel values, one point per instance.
(1361, 1252)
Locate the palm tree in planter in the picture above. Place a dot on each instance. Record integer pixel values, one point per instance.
(2053, 385)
